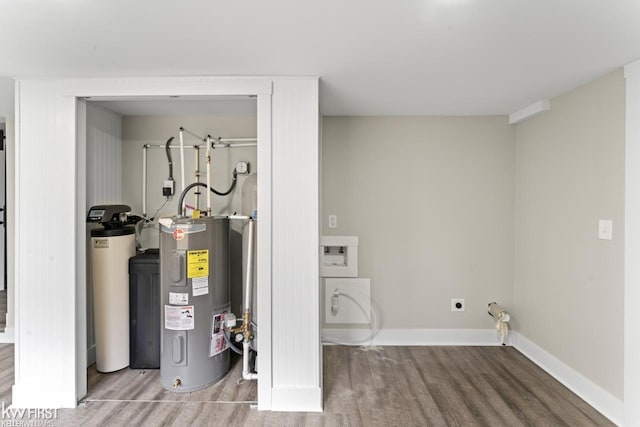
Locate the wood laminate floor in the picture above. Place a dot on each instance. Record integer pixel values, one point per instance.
(6, 373)
(390, 386)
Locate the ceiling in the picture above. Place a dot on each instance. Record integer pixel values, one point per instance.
(182, 106)
(402, 57)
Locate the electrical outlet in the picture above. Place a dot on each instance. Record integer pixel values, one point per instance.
(333, 221)
(167, 188)
(457, 304)
(605, 229)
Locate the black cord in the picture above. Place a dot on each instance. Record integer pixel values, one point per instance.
(231, 188)
(202, 184)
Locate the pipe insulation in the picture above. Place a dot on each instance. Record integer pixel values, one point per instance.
(502, 319)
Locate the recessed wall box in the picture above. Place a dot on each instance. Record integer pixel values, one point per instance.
(352, 307)
(339, 256)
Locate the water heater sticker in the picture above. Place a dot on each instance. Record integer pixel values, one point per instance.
(178, 298)
(101, 243)
(217, 343)
(197, 263)
(200, 286)
(179, 318)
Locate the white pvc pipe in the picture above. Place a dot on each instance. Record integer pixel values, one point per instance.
(246, 373)
(196, 175)
(144, 180)
(208, 175)
(172, 147)
(238, 216)
(195, 147)
(182, 159)
(219, 139)
(237, 139)
(249, 277)
(229, 145)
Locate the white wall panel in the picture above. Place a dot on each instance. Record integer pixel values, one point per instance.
(45, 245)
(8, 335)
(264, 247)
(295, 280)
(104, 156)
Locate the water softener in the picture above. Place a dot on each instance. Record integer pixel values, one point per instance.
(194, 276)
(111, 247)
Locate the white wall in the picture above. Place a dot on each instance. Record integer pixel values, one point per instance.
(431, 200)
(140, 130)
(568, 291)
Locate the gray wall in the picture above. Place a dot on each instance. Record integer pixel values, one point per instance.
(140, 130)
(568, 293)
(432, 201)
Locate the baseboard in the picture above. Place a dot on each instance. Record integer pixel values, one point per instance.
(8, 336)
(410, 337)
(296, 399)
(603, 401)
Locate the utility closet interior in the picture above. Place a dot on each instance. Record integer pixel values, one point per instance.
(172, 216)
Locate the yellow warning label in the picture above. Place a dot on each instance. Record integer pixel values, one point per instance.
(197, 263)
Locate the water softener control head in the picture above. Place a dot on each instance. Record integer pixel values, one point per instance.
(109, 215)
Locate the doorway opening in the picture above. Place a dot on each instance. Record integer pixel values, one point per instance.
(129, 161)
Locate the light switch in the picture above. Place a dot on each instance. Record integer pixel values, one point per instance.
(333, 221)
(605, 229)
